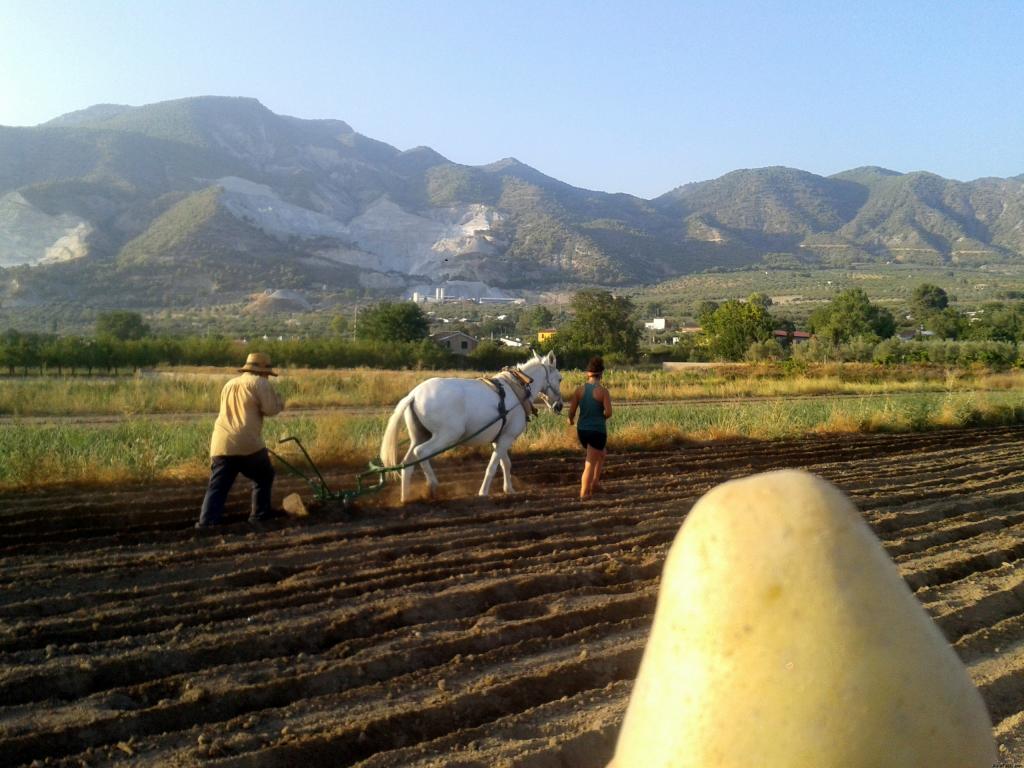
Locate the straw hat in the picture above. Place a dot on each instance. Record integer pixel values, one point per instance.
(257, 362)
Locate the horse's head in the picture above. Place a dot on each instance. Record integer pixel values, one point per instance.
(547, 381)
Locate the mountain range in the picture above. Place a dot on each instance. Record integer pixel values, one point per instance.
(202, 200)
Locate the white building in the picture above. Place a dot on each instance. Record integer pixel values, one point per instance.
(657, 324)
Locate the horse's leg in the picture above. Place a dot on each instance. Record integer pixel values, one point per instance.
(492, 468)
(437, 442)
(506, 467)
(418, 433)
(428, 472)
(407, 474)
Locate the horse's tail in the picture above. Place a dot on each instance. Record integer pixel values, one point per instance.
(389, 446)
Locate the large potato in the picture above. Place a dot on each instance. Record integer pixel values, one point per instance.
(784, 637)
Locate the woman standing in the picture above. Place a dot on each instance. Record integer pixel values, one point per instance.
(595, 408)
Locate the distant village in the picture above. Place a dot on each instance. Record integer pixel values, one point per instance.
(460, 342)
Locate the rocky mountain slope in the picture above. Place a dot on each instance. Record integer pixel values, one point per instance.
(199, 199)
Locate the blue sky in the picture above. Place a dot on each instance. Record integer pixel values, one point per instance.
(632, 97)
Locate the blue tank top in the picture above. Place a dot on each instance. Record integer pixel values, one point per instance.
(591, 416)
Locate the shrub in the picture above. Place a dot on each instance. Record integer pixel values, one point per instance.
(759, 351)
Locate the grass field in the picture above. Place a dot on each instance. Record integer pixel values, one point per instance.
(197, 391)
(36, 454)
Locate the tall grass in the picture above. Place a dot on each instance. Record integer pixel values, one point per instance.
(778, 381)
(34, 455)
(142, 451)
(137, 451)
(198, 391)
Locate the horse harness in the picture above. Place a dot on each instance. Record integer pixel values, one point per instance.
(519, 383)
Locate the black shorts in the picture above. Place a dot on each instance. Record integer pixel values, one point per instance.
(590, 438)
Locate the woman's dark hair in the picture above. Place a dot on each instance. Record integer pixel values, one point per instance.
(596, 365)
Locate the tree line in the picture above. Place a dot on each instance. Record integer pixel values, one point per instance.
(24, 353)
(851, 327)
(387, 335)
(396, 335)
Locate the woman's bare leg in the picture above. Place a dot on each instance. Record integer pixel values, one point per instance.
(598, 468)
(587, 481)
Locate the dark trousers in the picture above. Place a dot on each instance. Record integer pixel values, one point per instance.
(224, 470)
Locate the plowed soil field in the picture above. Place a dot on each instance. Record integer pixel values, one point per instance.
(466, 632)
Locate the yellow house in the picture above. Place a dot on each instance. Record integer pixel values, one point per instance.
(547, 333)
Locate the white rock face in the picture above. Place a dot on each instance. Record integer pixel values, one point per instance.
(30, 236)
(384, 237)
(260, 205)
(293, 297)
(74, 245)
(421, 245)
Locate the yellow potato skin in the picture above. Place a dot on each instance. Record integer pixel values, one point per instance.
(784, 637)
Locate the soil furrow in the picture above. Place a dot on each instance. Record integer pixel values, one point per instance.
(464, 632)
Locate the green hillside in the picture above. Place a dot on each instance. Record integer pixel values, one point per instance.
(771, 203)
(180, 231)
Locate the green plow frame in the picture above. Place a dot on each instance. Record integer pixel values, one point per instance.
(321, 490)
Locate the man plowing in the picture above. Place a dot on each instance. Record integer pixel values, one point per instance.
(237, 445)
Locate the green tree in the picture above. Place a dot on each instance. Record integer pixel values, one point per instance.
(121, 325)
(927, 300)
(764, 350)
(735, 325)
(495, 327)
(393, 321)
(55, 352)
(999, 322)
(339, 325)
(946, 324)
(760, 298)
(534, 319)
(603, 323)
(490, 356)
(21, 350)
(704, 310)
(851, 315)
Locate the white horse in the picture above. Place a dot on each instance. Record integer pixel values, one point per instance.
(440, 413)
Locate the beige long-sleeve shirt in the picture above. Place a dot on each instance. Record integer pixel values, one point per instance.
(244, 401)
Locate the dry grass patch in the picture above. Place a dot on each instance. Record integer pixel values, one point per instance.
(141, 450)
(197, 391)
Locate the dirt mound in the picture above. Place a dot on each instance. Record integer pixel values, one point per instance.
(467, 633)
(270, 302)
